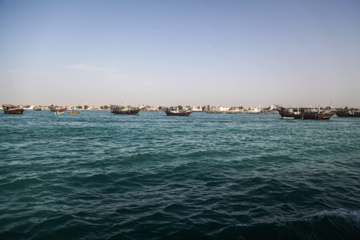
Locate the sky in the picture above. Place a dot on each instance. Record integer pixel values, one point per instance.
(195, 52)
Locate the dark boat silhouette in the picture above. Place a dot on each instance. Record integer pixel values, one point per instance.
(124, 110)
(178, 112)
(347, 113)
(305, 113)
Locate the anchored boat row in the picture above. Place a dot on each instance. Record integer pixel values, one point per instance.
(12, 109)
(285, 113)
(134, 111)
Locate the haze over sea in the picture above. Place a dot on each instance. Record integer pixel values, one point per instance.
(97, 175)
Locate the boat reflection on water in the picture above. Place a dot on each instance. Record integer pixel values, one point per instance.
(59, 113)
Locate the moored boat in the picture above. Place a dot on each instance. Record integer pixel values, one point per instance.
(305, 113)
(57, 109)
(37, 108)
(74, 112)
(348, 113)
(12, 109)
(59, 113)
(124, 110)
(178, 112)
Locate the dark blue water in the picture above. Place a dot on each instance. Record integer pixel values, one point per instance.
(97, 175)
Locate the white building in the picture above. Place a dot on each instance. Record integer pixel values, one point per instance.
(222, 108)
(254, 110)
(195, 109)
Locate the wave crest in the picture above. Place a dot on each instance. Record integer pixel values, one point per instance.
(353, 215)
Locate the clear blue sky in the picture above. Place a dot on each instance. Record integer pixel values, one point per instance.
(202, 52)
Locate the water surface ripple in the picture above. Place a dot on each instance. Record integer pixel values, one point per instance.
(96, 175)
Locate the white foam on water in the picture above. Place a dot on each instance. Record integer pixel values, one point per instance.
(241, 225)
(353, 215)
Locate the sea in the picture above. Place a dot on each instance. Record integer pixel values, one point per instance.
(98, 175)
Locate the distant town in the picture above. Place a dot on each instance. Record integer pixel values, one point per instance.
(206, 108)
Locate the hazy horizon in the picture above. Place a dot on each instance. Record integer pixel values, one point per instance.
(217, 53)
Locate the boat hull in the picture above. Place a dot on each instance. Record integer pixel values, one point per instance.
(127, 112)
(304, 113)
(74, 112)
(178, 114)
(347, 114)
(313, 116)
(14, 111)
(58, 109)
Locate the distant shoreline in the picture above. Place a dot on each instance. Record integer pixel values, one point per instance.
(30, 109)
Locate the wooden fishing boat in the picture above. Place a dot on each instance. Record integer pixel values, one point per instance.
(347, 113)
(37, 108)
(12, 109)
(124, 110)
(305, 113)
(57, 109)
(178, 112)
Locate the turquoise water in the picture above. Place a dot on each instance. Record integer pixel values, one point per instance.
(97, 175)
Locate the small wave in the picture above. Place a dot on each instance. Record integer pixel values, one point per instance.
(241, 225)
(342, 213)
(327, 224)
(20, 184)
